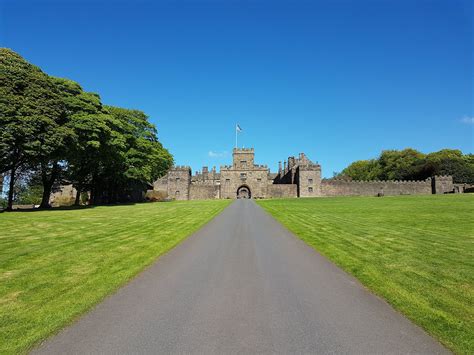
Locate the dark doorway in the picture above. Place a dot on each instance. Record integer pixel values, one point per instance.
(243, 192)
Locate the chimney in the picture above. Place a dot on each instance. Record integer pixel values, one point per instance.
(279, 167)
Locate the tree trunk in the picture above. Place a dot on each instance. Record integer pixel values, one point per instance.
(77, 202)
(10, 191)
(48, 184)
(92, 197)
(47, 187)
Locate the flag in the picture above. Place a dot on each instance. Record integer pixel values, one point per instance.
(238, 129)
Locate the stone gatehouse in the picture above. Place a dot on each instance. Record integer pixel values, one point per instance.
(298, 177)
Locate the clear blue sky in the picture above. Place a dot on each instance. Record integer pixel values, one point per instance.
(339, 80)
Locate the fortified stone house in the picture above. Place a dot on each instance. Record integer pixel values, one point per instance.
(299, 177)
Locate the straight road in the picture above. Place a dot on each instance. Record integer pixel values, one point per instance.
(242, 284)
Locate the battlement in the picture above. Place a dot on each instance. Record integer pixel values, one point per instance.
(244, 150)
(311, 166)
(181, 167)
(401, 182)
(443, 177)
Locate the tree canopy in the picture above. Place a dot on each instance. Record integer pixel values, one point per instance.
(56, 131)
(410, 164)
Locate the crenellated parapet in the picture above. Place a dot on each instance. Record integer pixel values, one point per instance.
(245, 150)
(426, 181)
(181, 167)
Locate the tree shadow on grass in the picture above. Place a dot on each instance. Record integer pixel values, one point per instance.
(70, 208)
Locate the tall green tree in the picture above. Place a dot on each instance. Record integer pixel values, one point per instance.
(87, 124)
(133, 157)
(29, 107)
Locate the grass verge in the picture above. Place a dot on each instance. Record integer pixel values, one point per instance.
(415, 251)
(57, 264)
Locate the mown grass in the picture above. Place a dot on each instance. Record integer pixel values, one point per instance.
(415, 251)
(55, 265)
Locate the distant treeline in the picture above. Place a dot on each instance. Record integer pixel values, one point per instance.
(410, 164)
(52, 131)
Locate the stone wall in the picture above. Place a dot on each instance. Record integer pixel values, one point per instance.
(463, 188)
(334, 187)
(161, 185)
(281, 190)
(442, 184)
(204, 192)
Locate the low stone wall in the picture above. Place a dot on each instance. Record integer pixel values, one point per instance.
(204, 192)
(333, 187)
(281, 190)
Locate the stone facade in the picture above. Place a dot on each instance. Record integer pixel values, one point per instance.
(298, 177)
(176, 183)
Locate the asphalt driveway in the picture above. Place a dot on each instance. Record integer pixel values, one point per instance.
(242, 284)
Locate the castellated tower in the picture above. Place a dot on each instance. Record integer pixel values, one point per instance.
(179, 180)
(243, 158)
(244, 178)
(308, 177)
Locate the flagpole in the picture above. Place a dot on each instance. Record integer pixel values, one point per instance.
(235, 136)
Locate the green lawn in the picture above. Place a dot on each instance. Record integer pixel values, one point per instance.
(415, 251)
(55, 265)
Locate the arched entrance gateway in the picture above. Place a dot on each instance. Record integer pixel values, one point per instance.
(243, 192)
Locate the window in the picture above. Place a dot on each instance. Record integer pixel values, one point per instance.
(310, 181)
(243, 175)
(243, 162)
(310, 189)
(177, 179)
(177, 193)
(227, 180)
(259, 179)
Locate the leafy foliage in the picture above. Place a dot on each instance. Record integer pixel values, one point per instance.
(54, 129)
(410, 164)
